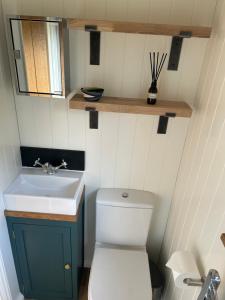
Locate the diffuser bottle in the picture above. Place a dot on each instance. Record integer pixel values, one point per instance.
(156, 68)
(152, 93)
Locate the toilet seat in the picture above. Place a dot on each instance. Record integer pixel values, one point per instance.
(121, 274)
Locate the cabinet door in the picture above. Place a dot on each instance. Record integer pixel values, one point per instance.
(44, 254)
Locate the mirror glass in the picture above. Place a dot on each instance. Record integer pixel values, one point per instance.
(37, 54)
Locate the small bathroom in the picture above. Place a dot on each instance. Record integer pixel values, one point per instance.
(112, 150)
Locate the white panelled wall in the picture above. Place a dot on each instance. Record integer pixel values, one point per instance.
(197, 216)
(125, 151)
(9, 167)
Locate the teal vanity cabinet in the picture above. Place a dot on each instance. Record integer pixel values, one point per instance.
(48, 256)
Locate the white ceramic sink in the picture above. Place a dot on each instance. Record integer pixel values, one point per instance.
(35, 191)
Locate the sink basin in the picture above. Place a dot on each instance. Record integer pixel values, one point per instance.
(35, 191)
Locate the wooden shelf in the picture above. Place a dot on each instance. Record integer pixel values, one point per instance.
(133, 106)
(142, 28)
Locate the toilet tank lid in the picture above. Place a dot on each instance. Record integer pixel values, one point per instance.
(126, 198)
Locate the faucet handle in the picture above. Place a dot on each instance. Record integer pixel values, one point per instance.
(64, 164)
(37, 162)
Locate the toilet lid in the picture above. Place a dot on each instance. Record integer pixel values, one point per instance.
(119, 274)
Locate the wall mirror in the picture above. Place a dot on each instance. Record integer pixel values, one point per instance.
(40, 52)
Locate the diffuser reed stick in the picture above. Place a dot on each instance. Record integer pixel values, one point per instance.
(156, 67)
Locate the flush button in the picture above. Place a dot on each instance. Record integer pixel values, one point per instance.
(125, 195)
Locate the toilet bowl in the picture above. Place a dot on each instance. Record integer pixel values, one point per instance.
(119, 274)
(120, 267)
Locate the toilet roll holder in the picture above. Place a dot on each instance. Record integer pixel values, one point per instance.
(209, 285)
(194, 282)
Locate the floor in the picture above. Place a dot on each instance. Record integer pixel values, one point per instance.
(84, 285)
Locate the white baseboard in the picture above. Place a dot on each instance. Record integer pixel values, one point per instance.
(20, 297)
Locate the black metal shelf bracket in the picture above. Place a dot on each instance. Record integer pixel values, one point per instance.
(93, 117)
(176, 48)
(163, 122)
(95, 44)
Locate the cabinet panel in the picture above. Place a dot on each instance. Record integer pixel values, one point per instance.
(42, 249)
(43, 252)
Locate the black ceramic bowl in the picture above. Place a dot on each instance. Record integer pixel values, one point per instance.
(92, 93)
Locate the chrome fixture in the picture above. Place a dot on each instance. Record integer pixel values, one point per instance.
(210, 286)
(48, 168)
(194, 282)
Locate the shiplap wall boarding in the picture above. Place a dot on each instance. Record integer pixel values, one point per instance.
(9, 167)
(125, 151)
(197, 216)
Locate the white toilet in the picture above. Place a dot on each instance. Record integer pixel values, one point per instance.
(120, 268)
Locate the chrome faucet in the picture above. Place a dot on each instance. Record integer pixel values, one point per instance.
(48, 168)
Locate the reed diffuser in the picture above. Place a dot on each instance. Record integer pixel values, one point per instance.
(156, 68)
